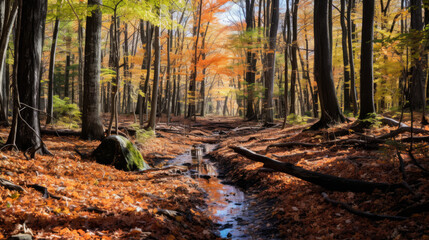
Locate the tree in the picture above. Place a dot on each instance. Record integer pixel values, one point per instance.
(418, 62)
(8, 12)
(92, 127)
(250, 61)
(152, 117)
(271, 56)
(50, 108)
(331, 113)
(25, 133)
(366, 64)
(346, 69)
(294, 60)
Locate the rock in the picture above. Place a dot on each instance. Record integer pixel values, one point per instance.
(21, 236)
(121, 153)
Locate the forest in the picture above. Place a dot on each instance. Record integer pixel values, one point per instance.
(214, 119)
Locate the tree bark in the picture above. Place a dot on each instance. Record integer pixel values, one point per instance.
(366, 71)
(294, 60)
(331, 113)
(92, 127)
(271, 56)
(418, 62)
(250, 61)
(8, 15)
(50, 108)
(346, 67)
(152, 118)
(28, 76)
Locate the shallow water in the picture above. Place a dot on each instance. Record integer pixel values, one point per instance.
(227, 204)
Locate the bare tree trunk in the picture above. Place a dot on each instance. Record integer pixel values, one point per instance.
(92, 127)
(50, 109)
(152, 118)
(271, 56)
(366, 76)
(30, 30)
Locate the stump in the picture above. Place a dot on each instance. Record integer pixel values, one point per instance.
(121, 153)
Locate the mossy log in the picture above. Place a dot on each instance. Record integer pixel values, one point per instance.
(121, 153)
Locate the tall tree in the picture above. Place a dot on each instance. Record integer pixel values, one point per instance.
(271, 57)
(26, 118)
(8, 12)
(294, 49)
(366, 63)
(346, 67)
(92, 127)
(331, 113)
(194, 73)
(50, 108)
(250, 60)
(152, 117)
(418, 62)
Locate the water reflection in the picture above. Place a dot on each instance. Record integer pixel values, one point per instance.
(226, 203)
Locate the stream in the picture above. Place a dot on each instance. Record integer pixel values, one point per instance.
(226, 203)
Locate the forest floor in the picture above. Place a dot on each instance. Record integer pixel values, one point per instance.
(100, 202)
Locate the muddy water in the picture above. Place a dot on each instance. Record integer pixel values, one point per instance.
(226, 203)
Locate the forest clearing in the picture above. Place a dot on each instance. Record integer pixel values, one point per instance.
(214, 119)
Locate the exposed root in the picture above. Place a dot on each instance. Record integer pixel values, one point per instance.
(10, 185)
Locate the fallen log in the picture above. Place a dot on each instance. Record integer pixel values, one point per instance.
(361, 213)
(59, 132)
(324, 180)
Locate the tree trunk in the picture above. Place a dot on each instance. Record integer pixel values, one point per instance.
(286, 39)
(271, 56)
(294, 49)
(250, 61)
(346, 73)
(417, 84)
(50, 109)
(366, 71)
(30, 29)
(152, 118)
(8, 12)
(350, 27)
(92, 127)
(331, 113)
(81, 66)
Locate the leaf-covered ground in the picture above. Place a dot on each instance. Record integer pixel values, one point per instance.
(299, 210)
(100, 202)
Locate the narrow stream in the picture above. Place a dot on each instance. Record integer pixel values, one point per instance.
(228, 204)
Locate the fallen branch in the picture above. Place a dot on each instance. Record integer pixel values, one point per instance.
(10, 185)
(293, 144)
(400, 130)
(324, 180)
(361, 213)
(44, 191)
(392, 122)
